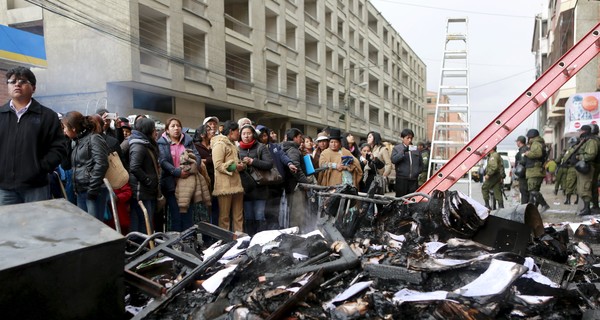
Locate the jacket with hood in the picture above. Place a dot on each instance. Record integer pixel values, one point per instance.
(292, 179)
(225, 153)
(89, 161)
(143, 177)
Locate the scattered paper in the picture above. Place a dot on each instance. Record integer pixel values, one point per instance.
(213, 283)
(349, 293)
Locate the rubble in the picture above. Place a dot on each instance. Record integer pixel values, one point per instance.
(375, 257)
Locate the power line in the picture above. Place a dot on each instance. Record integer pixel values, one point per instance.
(457, 10)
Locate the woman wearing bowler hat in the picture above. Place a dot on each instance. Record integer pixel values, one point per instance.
(343, 166)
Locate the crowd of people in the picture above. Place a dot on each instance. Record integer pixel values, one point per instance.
(578, 168)
(207, 174)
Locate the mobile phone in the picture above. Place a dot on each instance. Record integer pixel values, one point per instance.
(111, 116)
(412, 148)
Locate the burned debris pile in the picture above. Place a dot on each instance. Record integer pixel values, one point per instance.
(372, 257)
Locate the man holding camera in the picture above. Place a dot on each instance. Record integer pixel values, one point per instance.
(409, 164)
(108, 117)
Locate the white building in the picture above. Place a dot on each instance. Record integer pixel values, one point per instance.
(282, 63)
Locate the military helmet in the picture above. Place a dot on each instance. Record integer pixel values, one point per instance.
(532, 133)
(582, 167)
(573, 141)
(595, 128)
(520, 171)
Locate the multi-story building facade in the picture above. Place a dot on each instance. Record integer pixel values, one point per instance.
(282, 63)
(556, 30)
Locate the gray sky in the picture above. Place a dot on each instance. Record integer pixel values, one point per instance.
(501, 64)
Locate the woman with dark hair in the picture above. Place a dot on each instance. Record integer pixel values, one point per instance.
(172, 143)
(350, 144)
(256, 156)
(89, 160)
(143, 173)
(228, 184)
(380, 152)
(202, 138)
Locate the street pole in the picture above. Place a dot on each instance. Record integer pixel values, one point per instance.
(347, 100)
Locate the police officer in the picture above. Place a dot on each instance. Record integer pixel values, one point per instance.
(587, 152)
(422, 147)
(567, 162)
(534, 168)
(493, 179)
(596, 172)
(561, 173)
(520, 168)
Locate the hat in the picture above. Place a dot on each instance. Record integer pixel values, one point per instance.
(260, 127)
(335, 134)
(522, 139)
(532, 133)
(586, 128)
(207, 119)
(322, 136)
(123, 119)
(101, 111)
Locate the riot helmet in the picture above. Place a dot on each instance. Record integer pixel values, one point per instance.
(532, 133)
(573, 141)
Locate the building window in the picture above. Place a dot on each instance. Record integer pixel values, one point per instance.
(153, 38)
(194, 53)
(292, 84)
(238, 66)
(153, 102)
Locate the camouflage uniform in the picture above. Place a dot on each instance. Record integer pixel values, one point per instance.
(561, 174)
(534, 172)
(493, 171)
(568, 163)
(587, 152)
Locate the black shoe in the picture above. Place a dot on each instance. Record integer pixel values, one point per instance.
(555, 192)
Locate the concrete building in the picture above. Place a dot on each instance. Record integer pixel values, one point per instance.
(556, 30)
(282, 63)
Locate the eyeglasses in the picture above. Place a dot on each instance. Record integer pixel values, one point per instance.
(18, 81)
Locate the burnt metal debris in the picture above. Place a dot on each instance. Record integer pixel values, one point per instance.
(373, 257)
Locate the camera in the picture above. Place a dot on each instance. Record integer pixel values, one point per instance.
(111, 116)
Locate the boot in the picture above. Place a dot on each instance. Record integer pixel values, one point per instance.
(576, 199)
(250, 227)
(542, 202)
(555, 192)
(262, 225)
(568, 199)
(586, 209)
(500, 205)
(487, 204)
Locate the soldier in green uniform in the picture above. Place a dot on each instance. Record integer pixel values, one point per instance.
(422, 147)
(596, 166)
(587, 152)
(568, 163)
(534, 168)
(561, 173)
(493, 179)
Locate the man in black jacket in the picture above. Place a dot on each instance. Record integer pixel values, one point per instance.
(32, 143)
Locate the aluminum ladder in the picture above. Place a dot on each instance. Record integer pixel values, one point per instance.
(451, 125)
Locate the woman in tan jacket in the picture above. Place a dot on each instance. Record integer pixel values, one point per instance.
(228, 185)
(343, 166)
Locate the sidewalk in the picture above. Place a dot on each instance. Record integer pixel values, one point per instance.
(558, 211)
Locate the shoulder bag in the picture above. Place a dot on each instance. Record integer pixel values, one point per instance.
(116, 173)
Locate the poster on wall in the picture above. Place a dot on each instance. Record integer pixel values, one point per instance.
(581, 109)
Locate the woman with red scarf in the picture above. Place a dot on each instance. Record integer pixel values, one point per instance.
(256, 156)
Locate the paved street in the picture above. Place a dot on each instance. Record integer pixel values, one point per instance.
(558, 211)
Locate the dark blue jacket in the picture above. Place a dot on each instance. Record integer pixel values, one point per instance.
(408, 164)
(169, 172)
(30, 148)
